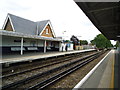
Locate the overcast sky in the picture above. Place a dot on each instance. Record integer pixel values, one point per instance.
(64, 15)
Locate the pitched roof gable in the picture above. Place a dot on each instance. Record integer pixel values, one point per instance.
(41, 25)
(8, 25)
(22, 25)
(25, 26)
(45, 23)
(8, 19)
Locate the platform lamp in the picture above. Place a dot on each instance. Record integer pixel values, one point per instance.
(63, 39)
(63, 36)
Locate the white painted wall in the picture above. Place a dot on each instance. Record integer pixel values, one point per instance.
(71, 47)
(26, 43)
(64, 45)
(88, 47)
(40, 43)
(9, 41)
(49, 44)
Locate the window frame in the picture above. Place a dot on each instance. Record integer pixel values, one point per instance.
(47, 31)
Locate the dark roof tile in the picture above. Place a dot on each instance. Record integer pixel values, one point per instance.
(25, 26)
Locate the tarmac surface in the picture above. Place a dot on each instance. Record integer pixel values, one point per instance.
(102, 75)
(14, 58)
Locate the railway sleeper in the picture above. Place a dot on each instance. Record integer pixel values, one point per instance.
(40, 74)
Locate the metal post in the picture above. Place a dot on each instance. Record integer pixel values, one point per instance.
(45, 47)
(59, 46)
(21, 46)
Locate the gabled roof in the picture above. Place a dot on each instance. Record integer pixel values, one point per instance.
(25, 26)
(22, 25)
(16, 34)
(41, 25)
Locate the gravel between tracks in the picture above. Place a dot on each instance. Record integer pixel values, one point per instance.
(37, 63)
(71, 80)
(50, 75)
(28, 74)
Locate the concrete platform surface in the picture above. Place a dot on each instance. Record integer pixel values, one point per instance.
(102, 75)
(36, 55)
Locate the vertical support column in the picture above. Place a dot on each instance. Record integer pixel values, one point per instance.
(119, 65)
(59, 46)
(45, 46)
(22, 46)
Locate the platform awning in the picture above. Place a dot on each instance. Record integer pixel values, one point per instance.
(16, 34)
(104, 15)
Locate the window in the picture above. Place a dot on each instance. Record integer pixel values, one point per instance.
(47, 31)
(18, 41)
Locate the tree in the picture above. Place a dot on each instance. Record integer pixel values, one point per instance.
(117, 44)
(101, 41)
(83, 42)
(75, 41)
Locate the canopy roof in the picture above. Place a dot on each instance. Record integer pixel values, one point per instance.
(104, 15)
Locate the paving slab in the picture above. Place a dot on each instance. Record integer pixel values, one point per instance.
(102, 75)
(33, 56)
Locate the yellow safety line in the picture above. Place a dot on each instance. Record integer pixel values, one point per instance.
(112, 80)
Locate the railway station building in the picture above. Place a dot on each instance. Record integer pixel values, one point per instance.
(22, 35)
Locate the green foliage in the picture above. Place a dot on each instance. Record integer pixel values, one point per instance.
(117, 44)
(83, 42)
(67, 40)
(101, 41)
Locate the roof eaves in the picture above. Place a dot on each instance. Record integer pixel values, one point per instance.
(8, 18)
(11, 22)
(45, 24)
(15, 34)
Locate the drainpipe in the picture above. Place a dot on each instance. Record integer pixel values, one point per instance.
(37, 28)
(22, 46)
(45, 46)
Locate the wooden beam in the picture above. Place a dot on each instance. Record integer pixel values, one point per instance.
(103, 9)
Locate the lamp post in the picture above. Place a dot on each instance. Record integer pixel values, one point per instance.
(63, 34)
(63, 40)
(79, 39)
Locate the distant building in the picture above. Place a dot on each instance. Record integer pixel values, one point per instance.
(68, 45)
(82, 47)
(19, 34)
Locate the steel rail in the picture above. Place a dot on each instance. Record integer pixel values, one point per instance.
(51, 80)
(35, 64)
(44, 73)
(54, 60)
(28, 70)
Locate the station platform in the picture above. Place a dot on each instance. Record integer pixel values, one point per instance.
(102, 75)
(15, 58)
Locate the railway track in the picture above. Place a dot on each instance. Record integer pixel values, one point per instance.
(37, 63)
(52, 74)
(45, 64)
(40, 67)
(20, 75)
(28, 65)
(41, 64)
(53, 79)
